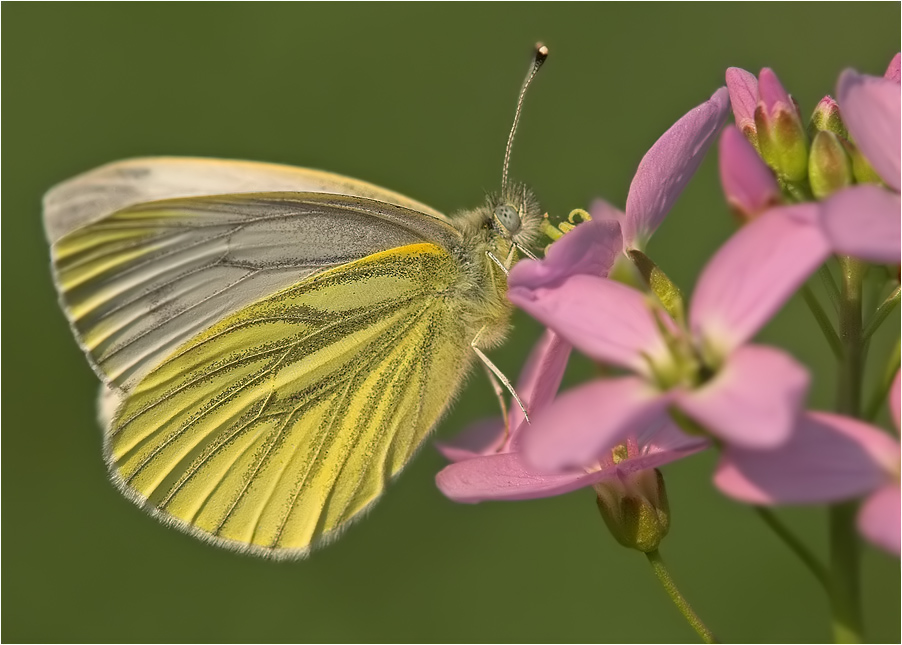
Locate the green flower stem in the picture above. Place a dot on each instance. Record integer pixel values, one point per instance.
(797, 546)
(660, 569)
(845, 549)
(823, 321)
(829, 285)
(848, 395)
(878, 399)
(884, 310)
(845, 555)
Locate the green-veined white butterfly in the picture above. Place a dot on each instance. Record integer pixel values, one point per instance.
(275, 342)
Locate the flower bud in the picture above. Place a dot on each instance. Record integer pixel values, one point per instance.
(892, 71)
(743, 88)
(781, 136)
(634, 507)
(748, 183)
(829, 167)
(826, 117)
(862, 170)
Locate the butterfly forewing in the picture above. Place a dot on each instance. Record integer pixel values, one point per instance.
(114, 186)
(285, 420)
(142, 281)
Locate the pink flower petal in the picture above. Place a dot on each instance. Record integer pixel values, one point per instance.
(894, 396)
(666, 436)
(749, 184)
(668, 166)
(506, 477)
(589, 249)
(743, 88)
(878, 519)
(606, 320)
(583, 423)
(892, 71)
(755, 272)
(541, 377)
(753, 401)
(828, 458)
(604, 210)
(660, 458)
(871, 111)
(863, 221)
(485, 437)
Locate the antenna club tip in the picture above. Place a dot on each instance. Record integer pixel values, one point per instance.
(541, 53)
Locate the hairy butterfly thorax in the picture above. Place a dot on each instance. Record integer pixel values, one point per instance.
(497, 235)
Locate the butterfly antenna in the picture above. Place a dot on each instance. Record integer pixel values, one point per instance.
(538, 59)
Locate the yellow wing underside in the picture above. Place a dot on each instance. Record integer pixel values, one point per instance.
(274, 428)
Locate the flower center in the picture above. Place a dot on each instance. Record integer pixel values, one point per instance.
(685, 365)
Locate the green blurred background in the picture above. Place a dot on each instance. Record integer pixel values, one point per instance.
(419, 99)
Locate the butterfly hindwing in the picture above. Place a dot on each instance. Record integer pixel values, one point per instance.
(279, 424)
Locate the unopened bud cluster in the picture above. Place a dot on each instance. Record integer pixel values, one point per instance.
(807, 163)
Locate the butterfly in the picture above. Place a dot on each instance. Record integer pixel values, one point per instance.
(275, 343)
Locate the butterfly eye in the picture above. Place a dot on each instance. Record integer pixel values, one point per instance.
(508, 217)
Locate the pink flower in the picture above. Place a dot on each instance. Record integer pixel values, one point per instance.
(864, 220)
(829, 457)
(665, 170)
(745, 395)
(489, 465)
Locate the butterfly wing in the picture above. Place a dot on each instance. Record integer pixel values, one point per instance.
(274, 428)
(112, 187)
(140, 282)
(273, 359)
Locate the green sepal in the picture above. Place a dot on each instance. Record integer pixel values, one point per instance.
(826, 117)
(862, 170)
(635, 509)
(829, 165)
(657, 281)
(783, 143)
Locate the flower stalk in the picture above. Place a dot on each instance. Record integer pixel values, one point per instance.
(795, 545)
(845, 548)
(660, 569)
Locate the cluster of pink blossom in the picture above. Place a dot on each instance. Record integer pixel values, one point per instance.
(695, 381)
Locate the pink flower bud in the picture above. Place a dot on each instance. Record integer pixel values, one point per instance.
(749, 185)
(892, 72)
(743, 88)
(781, 136)
(826, 116)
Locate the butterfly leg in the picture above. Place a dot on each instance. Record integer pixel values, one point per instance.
(497, 373)
(502, 403)
(500, 264)
(506, 264)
